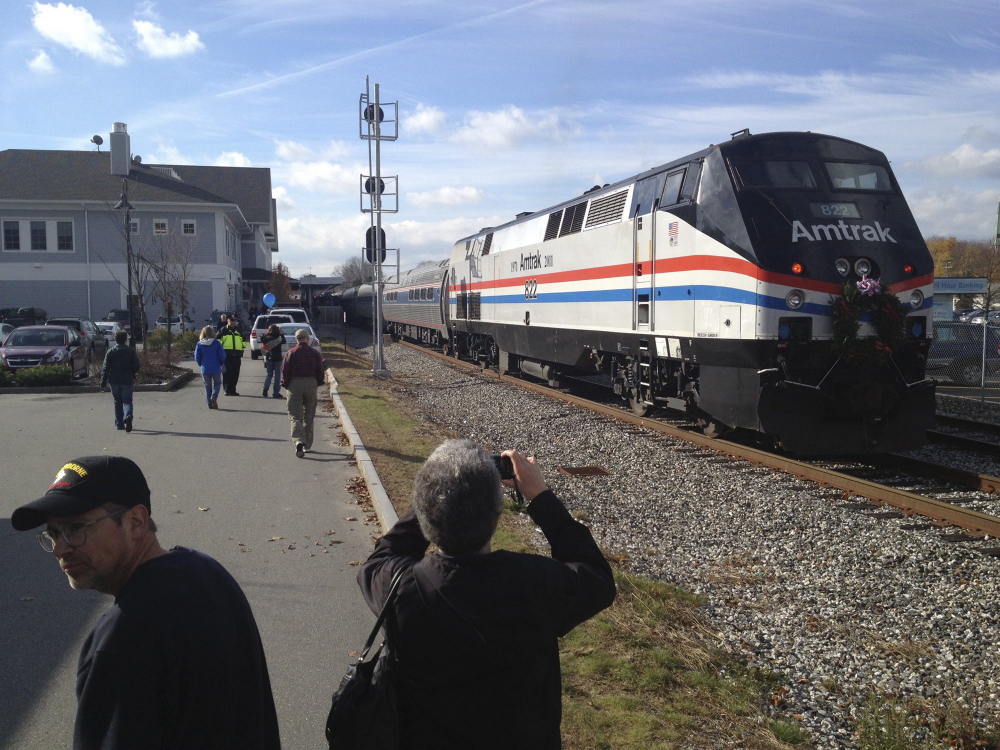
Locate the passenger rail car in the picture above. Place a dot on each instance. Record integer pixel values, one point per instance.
(775, 283)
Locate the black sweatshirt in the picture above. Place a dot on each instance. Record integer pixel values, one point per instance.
(476, 636)
(177, 662)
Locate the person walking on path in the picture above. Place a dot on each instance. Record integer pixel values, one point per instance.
(177, 661)
(273, 343)
(121, 363)
(232, 341)
(302, 374)
(476, 632)
(210, 355)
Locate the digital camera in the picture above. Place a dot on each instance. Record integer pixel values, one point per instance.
(504, 466)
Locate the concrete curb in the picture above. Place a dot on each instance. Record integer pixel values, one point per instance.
(380, 500)
(184, 377)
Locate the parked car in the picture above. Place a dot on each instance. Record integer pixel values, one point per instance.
(31, 346)
(966, 316)
(957, 351)
(288, 331)
(260, 326)
(109, 328)
(178, 323)
(297, 313)
(5, 329)
(25, 316)
(92, 337)
(120, 316)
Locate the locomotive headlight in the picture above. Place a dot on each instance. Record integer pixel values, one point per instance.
(862, 266)
(795, 299)
(916, 299)
(843, 266)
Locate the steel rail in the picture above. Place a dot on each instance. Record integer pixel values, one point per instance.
(964, 443)
(938, 510)
(967, 424)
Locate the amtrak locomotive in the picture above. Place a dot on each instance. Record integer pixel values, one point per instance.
(775, 283)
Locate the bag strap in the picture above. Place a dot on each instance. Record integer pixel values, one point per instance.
(393, 588)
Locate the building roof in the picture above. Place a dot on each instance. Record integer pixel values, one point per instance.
(35, 175)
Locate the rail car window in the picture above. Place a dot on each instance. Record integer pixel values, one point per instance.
(847, 176)
(779, 174)
(672, 188)
(488, 243)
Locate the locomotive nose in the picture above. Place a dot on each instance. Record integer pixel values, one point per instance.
(872, 398)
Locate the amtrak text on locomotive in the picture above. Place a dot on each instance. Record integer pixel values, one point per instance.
(841, 231)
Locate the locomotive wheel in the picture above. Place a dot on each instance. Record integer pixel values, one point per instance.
(639, 408)
(711, 428)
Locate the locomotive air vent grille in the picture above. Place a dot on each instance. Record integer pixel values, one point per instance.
(573, 220)
(488, 244)
(607, 209)
(475, 306)
(552, 228)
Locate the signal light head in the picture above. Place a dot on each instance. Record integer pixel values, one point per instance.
(795, 299)
(908, 269)
(916, 299)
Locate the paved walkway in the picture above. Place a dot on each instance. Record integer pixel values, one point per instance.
(239, 465)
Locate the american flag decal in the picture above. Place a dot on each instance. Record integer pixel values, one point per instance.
(672, 229)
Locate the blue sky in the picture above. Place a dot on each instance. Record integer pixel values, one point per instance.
(506, 106)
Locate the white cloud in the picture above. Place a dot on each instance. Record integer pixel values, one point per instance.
(966, 161)
(155, 42)
(41, 63)
(446, 196)
(507, 127)
(424, 120)
(323, 176)
(232, 159)
(283, 199)
(292, 151)
(168, 154)
(335, 150)
(953, 211)
(76, 29)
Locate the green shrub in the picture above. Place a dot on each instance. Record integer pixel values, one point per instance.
(184, 343)
(6, 377)
(31, 377)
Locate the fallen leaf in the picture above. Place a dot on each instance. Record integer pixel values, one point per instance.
(202, 509)
(335, 541)
(354, 562)
(275, 538)
(27, 598)
(245, 549)
(350, 518)
(326, 552)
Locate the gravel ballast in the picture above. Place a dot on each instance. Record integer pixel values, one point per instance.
(797, 582)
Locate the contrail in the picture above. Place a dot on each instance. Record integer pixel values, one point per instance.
(364, 53)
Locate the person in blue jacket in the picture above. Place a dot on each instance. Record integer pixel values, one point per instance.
(210, 355)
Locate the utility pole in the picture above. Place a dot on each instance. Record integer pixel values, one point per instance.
(379, 192)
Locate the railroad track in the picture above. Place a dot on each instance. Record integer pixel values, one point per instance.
(939, 511)
(988, 447)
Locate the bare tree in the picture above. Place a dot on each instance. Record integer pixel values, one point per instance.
(355, 272)
(169, 256)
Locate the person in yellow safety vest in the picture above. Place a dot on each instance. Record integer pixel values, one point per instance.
(232, 341)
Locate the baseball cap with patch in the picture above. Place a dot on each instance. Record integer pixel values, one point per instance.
(84, 484)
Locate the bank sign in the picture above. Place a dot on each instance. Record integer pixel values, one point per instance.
(973, 285)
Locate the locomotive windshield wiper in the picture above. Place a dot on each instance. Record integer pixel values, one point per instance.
(770, 200)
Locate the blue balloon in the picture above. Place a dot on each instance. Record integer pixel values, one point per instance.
(269, 299)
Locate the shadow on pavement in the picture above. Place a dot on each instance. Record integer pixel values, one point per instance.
(43, 622)
(210, 435)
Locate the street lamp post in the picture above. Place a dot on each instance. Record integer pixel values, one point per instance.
(124, 204)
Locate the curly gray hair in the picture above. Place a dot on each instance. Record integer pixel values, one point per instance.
(457, 497)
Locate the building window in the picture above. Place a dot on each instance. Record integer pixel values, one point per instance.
(64, 235)
(160, 227)
(11, 235)
(188, 227)
(133, 226)
(38, 236)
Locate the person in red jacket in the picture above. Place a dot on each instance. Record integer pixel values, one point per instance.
(475, 631)
(302, 374)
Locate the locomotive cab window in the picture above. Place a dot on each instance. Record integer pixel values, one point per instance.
(849, 176)
(778, 174)
(672, 188)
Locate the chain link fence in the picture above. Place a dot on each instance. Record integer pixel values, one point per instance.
(966, 354)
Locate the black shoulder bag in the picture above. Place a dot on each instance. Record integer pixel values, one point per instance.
(365, 710)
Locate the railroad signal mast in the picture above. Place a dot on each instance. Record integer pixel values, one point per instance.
(382, 195)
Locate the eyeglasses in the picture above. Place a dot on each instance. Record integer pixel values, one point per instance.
(75, 536)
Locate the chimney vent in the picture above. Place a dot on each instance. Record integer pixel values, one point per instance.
(121, 150)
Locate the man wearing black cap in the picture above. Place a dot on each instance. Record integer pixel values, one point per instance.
(177, 661)
(232, 341)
